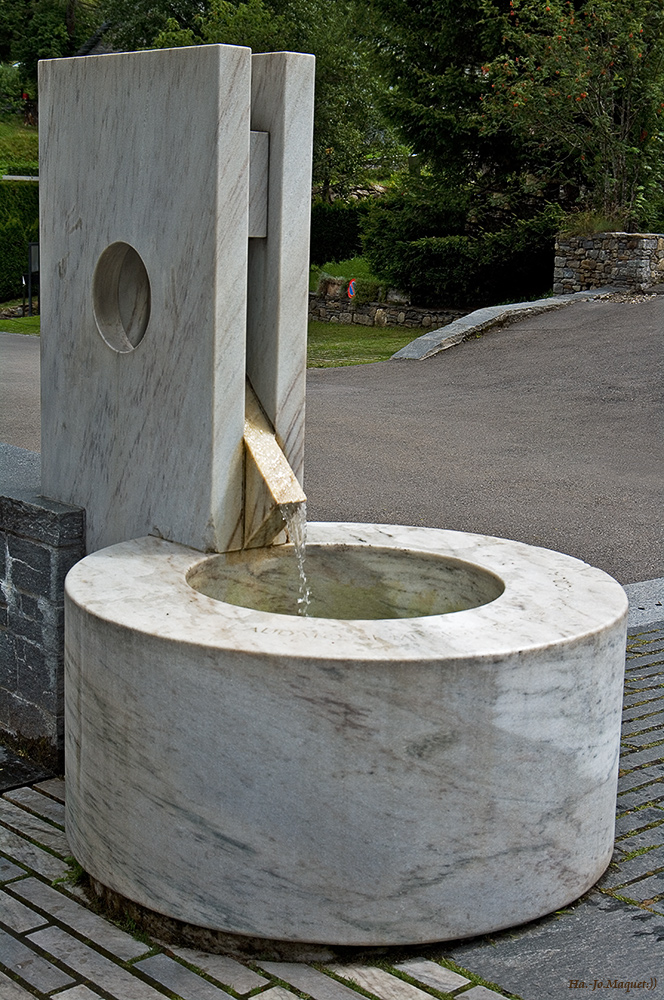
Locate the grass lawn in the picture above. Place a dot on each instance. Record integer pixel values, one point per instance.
(19, 144)
(330, 345)
(24, 324)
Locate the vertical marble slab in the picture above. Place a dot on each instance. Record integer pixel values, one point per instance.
(144, 182)
(282, 104)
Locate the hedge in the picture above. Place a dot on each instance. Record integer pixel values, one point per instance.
(336, 230)
(19, 225)
(487, 268)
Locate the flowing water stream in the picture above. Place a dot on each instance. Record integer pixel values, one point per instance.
(295, 516)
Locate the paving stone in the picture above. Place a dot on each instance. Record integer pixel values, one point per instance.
(37, 803)
(628, 761)
(432, 974)
(637, 778)
(380, 982)
(637, 819)
(226, 970)
(9, 870)
(18, 957)
(23, 851)
(648, 653)
(636, 741)
(645, 645)
(182, 981)
(303, 977)
(635, 868)
(54, 787)
(91, 965)
(639, 711)
(654, 837)
(278, 993)
(600, 937)
(80, 919)
(17, 916)
(648, 888)
(649, 666)
(9, 990)
(641, 697)
(639, 797)
(640, 725)
(78, 993)
(30, 826)
(482, 993)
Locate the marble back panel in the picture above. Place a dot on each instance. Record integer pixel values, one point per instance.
(145, 185)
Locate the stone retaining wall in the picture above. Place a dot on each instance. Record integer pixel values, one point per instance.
(333, 309)
(633, 261)
(40, 540)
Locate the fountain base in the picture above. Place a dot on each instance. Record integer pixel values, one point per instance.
(356, 781)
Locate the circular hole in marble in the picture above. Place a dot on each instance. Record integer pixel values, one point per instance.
(348, 582)
(121, 297)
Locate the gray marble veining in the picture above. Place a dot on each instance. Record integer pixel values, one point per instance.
(345, 781)
(146, 281)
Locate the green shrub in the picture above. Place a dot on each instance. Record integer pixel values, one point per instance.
(13, 258)
(19, 225)
(468, 270)
(335, 230)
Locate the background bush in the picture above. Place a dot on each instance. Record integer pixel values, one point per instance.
(336, 230)
(19, 225)
(464, 269)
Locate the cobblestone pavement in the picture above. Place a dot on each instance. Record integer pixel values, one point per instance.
(53, 945)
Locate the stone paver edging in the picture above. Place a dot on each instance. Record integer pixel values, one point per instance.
(483, 319)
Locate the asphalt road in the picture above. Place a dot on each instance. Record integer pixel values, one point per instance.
(549, 431)
(19, 391)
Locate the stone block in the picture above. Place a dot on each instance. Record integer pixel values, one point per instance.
(42, 805)
(433, 974)
(42, 520)
(90, 964)
(29, 565)
(18, 916)
(8, 677)
(379, 982)
(179, 979)
(79, 918)
(226, 970)
(18, 957)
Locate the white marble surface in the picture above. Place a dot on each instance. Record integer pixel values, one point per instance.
(344, 781)
(269, 480)
(142, 148)
(143, 378)
(282, 103)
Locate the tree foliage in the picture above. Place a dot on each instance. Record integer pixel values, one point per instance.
(136, 23)
(583, 84)
(349, 127)
(31, 30)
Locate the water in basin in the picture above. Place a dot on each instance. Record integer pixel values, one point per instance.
(347, 582)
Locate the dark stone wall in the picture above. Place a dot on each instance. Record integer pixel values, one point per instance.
(40, 540)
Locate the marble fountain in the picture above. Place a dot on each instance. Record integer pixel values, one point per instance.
(431, 752)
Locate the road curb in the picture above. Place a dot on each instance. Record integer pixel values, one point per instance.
(482, 320)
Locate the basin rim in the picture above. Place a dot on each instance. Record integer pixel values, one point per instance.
(549, 598)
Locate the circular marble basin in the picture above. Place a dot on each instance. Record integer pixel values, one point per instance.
(431, 755)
